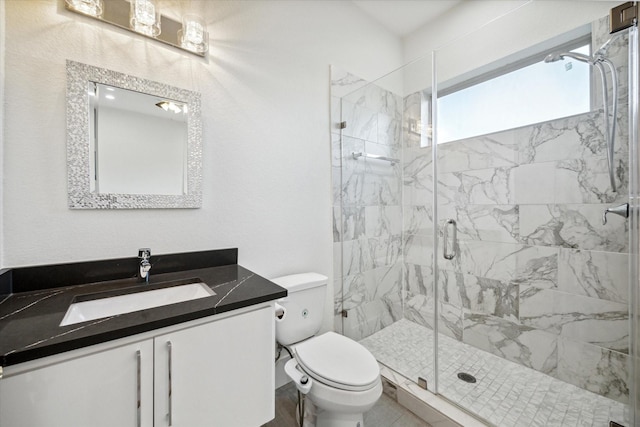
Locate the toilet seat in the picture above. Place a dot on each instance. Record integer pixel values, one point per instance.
(338, 361)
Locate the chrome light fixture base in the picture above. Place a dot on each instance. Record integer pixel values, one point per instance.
(121, 13)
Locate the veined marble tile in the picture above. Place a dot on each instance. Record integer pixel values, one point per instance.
(483, 152)
(479, 187)
(418, 249)
(601, 275)
(384, 282)
(382, 180)
(373, 97)
(515, 342)
(565, 138)
(352, 173)
(371, 317)
(420, 309)
(356, 256)
(389, 129)
(617, 52)
(412, 107)
(417, 176)
(479, 294)
(381, 190)
(572, 226)
(353, 222)
(362, 123)
(383, 221)
(418, 220)
(344, 83)
(505, 262)
(336, 185)
(354, 292)
(336, 150)
(337, 259)
(337, 296)
(337, 224)
(535, 183)
(596, 321)
(587, 180)
(493, 223)
(418, 279)
(594, 368)
(385, 251)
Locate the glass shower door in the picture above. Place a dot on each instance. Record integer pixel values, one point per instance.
(532, 288)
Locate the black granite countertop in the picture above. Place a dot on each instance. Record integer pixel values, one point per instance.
(29, 321)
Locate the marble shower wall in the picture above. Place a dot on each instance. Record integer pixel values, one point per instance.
(367, 213)
(538, 279)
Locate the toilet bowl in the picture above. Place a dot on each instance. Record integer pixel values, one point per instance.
(343, 378)
(338, 376)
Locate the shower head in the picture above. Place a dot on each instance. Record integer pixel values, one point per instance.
(557, 56)
(553, 57)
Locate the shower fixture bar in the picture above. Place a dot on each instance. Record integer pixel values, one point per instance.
(391, 160)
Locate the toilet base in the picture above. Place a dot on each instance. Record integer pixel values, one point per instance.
(315, 417)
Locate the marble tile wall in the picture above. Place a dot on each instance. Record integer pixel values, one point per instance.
(367, 214)
(538, 279)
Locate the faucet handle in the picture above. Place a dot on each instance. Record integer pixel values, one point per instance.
(144, 253)
(622, 210)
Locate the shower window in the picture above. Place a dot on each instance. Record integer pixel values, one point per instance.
(503, 101)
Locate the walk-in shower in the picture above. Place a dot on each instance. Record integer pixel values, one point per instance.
(484, 257)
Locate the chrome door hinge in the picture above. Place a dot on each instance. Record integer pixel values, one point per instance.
(345, 313)
(623, 16)
(342, 125)
(422, 382)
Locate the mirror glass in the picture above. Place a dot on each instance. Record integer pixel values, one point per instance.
(131, 143)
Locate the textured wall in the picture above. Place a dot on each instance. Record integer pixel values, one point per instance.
(265, 91)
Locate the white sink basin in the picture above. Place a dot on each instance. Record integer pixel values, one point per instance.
(120, 304)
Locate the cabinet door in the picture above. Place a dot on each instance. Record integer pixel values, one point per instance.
(217, 374)
(95, 390)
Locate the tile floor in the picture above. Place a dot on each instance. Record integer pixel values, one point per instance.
(505, 394)
(386, 413)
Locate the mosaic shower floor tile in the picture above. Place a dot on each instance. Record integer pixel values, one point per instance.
(505, 394)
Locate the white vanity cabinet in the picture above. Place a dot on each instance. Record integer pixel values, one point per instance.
(215, 371)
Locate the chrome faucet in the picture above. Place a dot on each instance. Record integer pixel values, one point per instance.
(144, 254)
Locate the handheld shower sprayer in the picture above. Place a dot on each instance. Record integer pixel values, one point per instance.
(598, 61)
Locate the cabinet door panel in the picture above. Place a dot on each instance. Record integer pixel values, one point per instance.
(222, 373)
(96, 390)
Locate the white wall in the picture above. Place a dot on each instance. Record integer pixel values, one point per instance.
(476, 33)
(265, 104)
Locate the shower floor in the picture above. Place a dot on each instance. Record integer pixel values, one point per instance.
(505, 394)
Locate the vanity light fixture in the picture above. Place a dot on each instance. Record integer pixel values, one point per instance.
(86, 7)
(193, 35)
(143, 17)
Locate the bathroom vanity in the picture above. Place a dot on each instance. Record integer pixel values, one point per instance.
(207, 361)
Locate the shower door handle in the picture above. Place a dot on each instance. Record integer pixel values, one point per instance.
(445, 252)
(622, 210)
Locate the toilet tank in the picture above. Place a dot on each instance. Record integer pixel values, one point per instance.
(304, 306)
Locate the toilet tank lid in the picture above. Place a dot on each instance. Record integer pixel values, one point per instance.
(302, 281)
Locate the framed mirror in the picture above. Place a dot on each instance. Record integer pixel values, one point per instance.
(132, 143)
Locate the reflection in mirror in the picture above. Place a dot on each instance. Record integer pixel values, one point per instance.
(138, 140)
(132, 143)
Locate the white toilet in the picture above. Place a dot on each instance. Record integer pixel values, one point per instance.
(339, 376)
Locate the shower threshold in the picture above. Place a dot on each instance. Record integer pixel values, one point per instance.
(505, 393)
